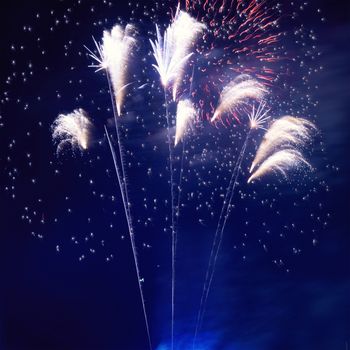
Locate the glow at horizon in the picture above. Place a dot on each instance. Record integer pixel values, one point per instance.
(72, 129)
(185, 115)
(286, 131)
(173, 50)
(113, 56)
(236, 92)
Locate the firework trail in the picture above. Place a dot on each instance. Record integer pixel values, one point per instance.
(72, 129)
(281, 161)
(171, 53)
(185, 116)
(114, 55)
(286, 131)
(257, 118)
(239, 90)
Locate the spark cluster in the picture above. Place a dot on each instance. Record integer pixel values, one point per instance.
(72, 129)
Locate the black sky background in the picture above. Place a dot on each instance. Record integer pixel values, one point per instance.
(52, 301)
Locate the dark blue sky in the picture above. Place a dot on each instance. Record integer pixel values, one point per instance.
(58, 294)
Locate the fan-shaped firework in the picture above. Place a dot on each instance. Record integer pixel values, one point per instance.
(281, 162)
(73, 129)
(174, 49)
(114, 56)
(242, 89)
(286, 131)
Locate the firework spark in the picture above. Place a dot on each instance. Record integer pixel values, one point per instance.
(72, 129)
(236, 92)
(114, 56)
(172, 51)
(258, 116)
(281, 161)
(286, 131)
(185, 115)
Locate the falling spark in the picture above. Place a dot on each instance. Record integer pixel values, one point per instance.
(72, 129)
(286, 131)
(185, 115)
(236, 92)
(114, 56)
(172, 51)
(282, 162)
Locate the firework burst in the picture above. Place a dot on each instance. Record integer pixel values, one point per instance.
(172, 51)
(258, 116)
(240, 90)
(73, 129)
(280, 162)
(114, 55)
(286, 131)
(185, 115)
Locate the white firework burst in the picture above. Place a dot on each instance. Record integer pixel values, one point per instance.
(113, 56)
(258, 116)
(185, 115)
(284, 132)
(280, 162)
(236, 92)
(172, 51)
(72, 129)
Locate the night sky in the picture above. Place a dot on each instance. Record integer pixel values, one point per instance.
(282, 281)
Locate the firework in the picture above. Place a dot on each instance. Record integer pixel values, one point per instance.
(281, 161)
(114, 56)
(172, 51)
(236, 92)
(257, 119)
(258, 116)
(286, 131)
(184, 117)
(72, 129)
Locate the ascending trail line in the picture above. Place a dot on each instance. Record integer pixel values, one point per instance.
(173, 232)
(226, 208)
(122, 181)
(179, 189)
